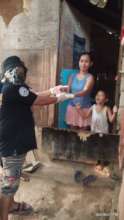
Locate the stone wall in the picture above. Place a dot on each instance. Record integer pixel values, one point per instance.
(29, 26)
(29, 29)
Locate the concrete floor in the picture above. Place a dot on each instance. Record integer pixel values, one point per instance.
(55, 196)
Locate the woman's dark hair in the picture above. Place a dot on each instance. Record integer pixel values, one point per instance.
(90, 54)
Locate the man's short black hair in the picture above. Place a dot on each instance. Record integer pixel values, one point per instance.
(12, 62)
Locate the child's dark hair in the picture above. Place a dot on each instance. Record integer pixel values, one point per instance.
(103, 91)
(90, 54)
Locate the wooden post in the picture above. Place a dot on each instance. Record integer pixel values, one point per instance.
(119, 96)
(119, 99)
(120, 83)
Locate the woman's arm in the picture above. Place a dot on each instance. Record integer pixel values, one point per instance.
(111, 115)
(88, 87)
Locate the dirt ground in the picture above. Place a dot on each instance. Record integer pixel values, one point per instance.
(54, 194)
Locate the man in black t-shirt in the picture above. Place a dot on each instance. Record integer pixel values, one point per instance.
(17, 134)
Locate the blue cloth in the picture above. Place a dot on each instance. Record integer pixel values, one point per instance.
(77, 86)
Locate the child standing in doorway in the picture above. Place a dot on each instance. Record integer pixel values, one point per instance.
(101, 115)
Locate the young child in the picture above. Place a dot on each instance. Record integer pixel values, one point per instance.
(101, 115)
(80, 85)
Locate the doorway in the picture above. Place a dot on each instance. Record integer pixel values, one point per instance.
(105, 26)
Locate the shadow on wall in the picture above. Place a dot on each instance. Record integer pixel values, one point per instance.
(9, 9)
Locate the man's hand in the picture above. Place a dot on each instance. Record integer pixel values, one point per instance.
(64, 96)
(58, 89)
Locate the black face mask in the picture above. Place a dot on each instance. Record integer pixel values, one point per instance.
(19, 75)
